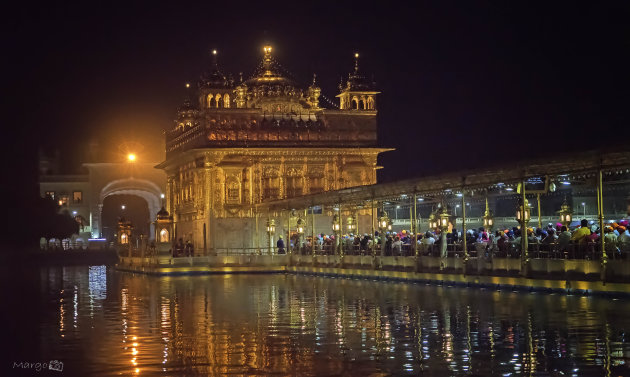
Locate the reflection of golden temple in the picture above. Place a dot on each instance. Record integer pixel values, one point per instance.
(259, 140)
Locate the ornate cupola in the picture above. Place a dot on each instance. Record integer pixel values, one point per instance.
(186, 114)
(358, 93)
(314, 92)
(216, 91)
(269, 89)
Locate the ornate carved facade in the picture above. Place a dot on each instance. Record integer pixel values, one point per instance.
(259, 140)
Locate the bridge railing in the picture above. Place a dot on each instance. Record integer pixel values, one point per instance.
(581, 250)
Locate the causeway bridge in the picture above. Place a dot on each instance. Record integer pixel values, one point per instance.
(463, 213)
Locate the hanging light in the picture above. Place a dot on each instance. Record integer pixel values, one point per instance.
(443, 218)
(271, 226)
(300, 225)
(384, 223)
(488, 219)
(566, 214)
(351, 223)
(335, 223)
(433, 223)
(526, 215)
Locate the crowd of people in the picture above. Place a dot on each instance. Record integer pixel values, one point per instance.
(557, 241)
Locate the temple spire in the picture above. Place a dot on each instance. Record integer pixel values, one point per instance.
(267, 60)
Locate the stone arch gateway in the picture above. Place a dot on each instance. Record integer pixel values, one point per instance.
(139, 179)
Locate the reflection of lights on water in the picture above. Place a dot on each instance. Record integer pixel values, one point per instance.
(97, 282)
(124, 298)
(75, 301)
(62, 312)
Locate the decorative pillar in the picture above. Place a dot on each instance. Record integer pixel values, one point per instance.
(539, 212)
(256, 231)
(523, 215)
(313, 233)
(464, 245)
(271, 229)
(443, 220)
(414, 226)
(600, 217)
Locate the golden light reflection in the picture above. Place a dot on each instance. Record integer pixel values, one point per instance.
(131, 157)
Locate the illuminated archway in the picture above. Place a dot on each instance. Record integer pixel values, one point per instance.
(144, 189)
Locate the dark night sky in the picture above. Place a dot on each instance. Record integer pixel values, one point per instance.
(475, 82)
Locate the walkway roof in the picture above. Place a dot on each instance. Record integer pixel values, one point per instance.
(493, 180)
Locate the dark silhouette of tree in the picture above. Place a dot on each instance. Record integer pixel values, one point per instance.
(49, 223)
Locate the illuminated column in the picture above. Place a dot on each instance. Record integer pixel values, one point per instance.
(600, 217)
(465, 247)
(271, 230)
(523, 216)
(443, 219)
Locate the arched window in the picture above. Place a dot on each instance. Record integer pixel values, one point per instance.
(219, 100)
(226, 101)
(355, 103)
(370, 103)
(211, 102)
(361, 104)
(163, 235)
(123, 239)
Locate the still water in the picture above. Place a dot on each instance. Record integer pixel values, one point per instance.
(100, 322)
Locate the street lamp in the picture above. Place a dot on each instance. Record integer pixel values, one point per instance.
(584, 208)
(351, 224)
(520, 217)
(123, 207)
(488, 219)
(443, 218)
(131, 157)
(433, 223)
(384, 223)
(271, 230)
(300, 226)
(336, 226)
(566, 215)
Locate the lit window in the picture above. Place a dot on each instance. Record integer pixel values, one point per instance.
(50, 194)
(77, 197)
(63, 200)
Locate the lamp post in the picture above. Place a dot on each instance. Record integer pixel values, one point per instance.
(488, 219)
(433, 223)
(300, 227)
(442, 218)
(523, 216)
(384, 225)
(351, 224)
(584, 209)
(566, 215)
(336, 227)
(271, 230)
